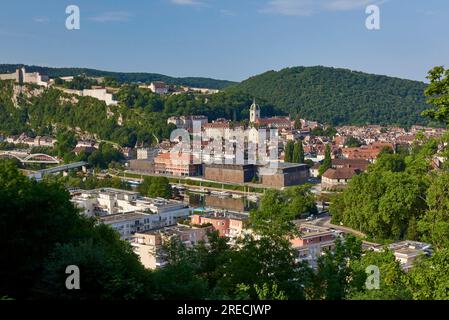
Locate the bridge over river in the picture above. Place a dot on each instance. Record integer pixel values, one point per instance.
(25, 157)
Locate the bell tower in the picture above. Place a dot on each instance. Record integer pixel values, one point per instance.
(254, 112)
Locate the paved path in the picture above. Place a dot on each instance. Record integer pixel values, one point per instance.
(326, 222)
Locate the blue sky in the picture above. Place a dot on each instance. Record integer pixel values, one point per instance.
(228, 39)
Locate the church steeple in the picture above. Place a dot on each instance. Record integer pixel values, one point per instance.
(254, 112)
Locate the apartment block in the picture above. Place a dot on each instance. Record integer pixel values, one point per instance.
(128, 212)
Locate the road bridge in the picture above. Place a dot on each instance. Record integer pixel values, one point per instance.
(66, 167)
(24, 157)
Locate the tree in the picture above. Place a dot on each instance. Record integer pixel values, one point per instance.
(295, 158)
(298, 124)
(156, 187)
(335, 276)
(327, 163)
(265, 261)
(438, 95)
(352, 142)
(298, 152)
(301, 152)
(42, 233)
(289, 148)
(105, 155)
(392, 278)
(434, 225)
(66, 141)
(383, 204)
(278, 208)
(428, 279)
(389, 162)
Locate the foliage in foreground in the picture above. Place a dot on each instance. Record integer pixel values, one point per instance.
(42, 233)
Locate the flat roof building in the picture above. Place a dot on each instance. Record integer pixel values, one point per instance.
(127, 211)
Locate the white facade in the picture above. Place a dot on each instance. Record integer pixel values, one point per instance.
(254, 112)
(100, 94)
(159, 87)
(128, 212)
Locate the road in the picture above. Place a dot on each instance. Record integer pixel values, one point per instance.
(325, 221)
(198, 179)
(193, 187)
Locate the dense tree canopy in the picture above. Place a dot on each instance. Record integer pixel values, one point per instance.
(42, 233)
(155, 187)
(340, 96)
(121, 77)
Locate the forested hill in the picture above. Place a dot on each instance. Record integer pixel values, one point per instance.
(340, 96)
(196, 82)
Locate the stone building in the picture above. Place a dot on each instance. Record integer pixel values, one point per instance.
(21, 76)
(229, 173)
(285, 175)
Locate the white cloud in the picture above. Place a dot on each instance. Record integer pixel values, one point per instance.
(112, 16)
(310, 7)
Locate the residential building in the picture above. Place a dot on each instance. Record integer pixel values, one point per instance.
(227, 225)
(180, 164)
(314, 170)
(127, 211)
(127, 224)
(335, 179)
(406, 252)
(359, 164)
(313, 242)
(148, 245)
(159, 87)
(38, 141)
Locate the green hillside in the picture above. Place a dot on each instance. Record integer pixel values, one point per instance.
(140, 115)
(143, 77)
(340, 96)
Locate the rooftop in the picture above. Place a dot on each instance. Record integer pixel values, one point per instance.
(120, 217)
(340, 173)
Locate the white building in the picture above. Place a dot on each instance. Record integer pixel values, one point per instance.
(100, 94)
(159, 87)
(128, 212)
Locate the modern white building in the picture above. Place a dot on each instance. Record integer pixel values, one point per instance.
(128, 212)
